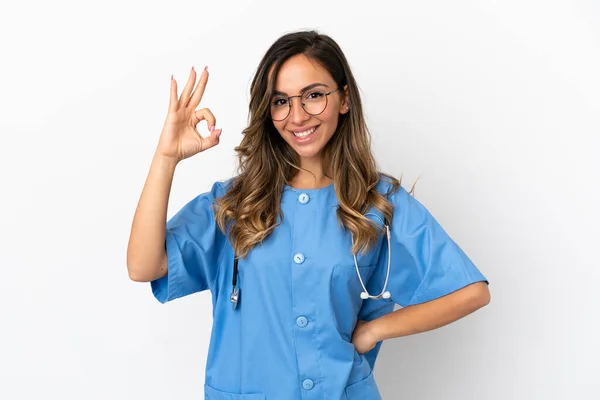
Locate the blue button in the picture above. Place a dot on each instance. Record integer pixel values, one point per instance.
(303, 198)
(308, 384)
(302, 322)
(298, 258)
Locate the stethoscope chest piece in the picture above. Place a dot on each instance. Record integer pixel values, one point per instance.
(235, 293)
(235, 296)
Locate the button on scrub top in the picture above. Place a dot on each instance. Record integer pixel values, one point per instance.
(290, 335)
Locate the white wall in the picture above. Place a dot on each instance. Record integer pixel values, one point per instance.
(494, 105)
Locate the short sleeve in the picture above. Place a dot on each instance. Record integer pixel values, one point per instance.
(425, 263)
(193, 243)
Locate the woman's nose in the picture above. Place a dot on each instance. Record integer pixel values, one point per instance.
(297, 113)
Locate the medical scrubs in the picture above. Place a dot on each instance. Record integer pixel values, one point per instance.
(290, 335)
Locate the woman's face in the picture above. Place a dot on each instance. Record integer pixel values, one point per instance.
(307, 134)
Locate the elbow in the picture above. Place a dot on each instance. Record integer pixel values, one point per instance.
(481, 296)
(140, 272)
(133, 270)
(136, 274)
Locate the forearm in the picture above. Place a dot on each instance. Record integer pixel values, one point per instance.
(431, 315)
(146, 254)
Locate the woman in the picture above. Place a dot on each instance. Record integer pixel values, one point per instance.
(308, 248)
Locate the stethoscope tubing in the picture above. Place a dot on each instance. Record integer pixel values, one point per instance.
(235, 293)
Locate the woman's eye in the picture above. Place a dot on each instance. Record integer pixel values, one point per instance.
(314, 95)
(279, 102)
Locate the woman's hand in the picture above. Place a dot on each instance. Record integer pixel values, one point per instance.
(363, 337)
(179, 138)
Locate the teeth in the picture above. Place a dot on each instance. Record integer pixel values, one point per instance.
(305, 133)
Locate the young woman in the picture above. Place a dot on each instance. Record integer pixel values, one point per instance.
(308, 248)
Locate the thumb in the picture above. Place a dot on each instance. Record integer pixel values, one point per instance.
(213, 139)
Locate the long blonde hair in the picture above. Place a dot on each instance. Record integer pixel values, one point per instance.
(251, 206)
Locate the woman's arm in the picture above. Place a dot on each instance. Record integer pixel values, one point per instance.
(179, 139)
(421, 317)
(146, 255)
(432, 314)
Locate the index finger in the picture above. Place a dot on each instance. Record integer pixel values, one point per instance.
(199, 91)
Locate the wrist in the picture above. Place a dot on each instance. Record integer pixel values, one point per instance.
(375, 330)
(165, 161)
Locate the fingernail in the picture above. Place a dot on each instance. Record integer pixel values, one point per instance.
(206, 68)
(211, 128)
(192, 67)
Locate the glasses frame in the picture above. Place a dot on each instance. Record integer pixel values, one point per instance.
(289, 100)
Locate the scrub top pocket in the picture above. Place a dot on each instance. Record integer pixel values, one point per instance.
(211, 393)
(363, 390)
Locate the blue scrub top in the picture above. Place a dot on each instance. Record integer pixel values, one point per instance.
(289, 337)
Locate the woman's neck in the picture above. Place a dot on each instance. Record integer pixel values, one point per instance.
(307, 181)
(314, 179)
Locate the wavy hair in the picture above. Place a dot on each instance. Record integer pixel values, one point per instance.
(251, 205)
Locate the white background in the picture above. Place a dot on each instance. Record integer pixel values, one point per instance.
(495, 106)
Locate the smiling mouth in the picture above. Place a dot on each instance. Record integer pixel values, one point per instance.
(307, 133)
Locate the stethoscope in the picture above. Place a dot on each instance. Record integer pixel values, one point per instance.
(385, 294)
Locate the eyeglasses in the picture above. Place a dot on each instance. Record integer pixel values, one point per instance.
(314, 102)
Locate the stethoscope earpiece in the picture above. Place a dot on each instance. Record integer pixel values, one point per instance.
(384, 293)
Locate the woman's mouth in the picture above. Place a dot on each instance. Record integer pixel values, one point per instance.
(302, 137)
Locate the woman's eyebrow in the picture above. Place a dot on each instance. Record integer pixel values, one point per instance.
(304, 89)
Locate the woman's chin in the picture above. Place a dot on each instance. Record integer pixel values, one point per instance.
(308, 153)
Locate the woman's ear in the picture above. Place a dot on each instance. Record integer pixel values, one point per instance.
(345, 104)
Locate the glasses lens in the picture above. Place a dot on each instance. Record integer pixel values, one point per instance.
(314, 101)
(279, 109)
